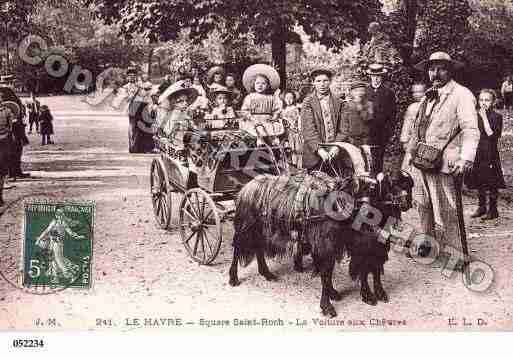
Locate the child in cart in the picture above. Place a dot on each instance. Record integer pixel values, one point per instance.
(222, 111)
(292, 118)
(173, 118)
(261, 107)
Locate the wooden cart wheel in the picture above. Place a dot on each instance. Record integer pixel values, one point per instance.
(160, 194)
(200, 226)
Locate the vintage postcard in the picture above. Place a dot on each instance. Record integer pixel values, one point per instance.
(256, 166)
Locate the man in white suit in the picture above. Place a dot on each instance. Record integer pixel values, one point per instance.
(446, 108)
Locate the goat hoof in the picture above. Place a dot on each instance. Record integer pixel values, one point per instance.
(369, 299)
(329, 311)
(334, 295)
(381, 295)
(234, 282)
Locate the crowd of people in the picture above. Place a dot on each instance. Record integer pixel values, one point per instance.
(13, 136)
(448, 137)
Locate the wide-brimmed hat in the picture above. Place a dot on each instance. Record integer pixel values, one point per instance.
(260, 69)
(13, 106)
(147, 85)
(215, 90)
(438, 56)
(214, 70)
(179, 88)
(321, 71)
(131, 71)
(376, 69)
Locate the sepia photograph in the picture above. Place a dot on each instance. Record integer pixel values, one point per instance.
(222, 166)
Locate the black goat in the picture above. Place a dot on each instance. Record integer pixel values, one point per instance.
(275, 215)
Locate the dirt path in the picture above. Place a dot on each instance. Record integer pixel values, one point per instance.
(142, 272)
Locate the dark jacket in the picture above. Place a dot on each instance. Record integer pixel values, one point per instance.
(384, 106)
(313, 126)
(487, 170)
(45, 123)
(355, 125)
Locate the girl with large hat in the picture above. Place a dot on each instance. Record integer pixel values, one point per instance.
(261, 105)
(173, 116)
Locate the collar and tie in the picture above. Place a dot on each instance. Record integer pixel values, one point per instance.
(432, 94)
(326, 116)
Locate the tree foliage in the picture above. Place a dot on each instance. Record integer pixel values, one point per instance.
(333, 23)
(72, 32)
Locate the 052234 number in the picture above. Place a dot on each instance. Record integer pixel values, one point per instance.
(28, 343)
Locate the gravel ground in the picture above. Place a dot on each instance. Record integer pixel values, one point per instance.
(142, 272)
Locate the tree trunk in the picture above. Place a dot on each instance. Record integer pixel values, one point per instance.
(410, 8)
(279, 53)
(150, 59)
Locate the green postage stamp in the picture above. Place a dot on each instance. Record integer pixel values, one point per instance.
(58, 244)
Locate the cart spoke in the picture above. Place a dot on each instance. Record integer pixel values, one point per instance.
(189, 238)
(203, 207)
(205, 218)
(208, 242)
(198, 210)
(192, 208)
(162, 210)
(155, 178)
(196, 244)
(159, 205)
(184, 210)
(165, 210)
(202, 244)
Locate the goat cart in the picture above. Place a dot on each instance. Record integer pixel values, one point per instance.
(199, 181)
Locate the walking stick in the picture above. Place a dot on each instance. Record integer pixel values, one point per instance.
(461, 223)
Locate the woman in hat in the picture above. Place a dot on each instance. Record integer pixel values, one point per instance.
(261, 104)
(173, 115)
(46, 126)
(486, 175)
(7, 116)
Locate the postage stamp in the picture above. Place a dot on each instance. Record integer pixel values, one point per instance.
(58, 244)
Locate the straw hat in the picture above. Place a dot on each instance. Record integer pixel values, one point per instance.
(147, 85)
(438, 56)
(179, 88)
(131, 71)
(13, 106)
(260, 69)
(376, 69)
(214, 70)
